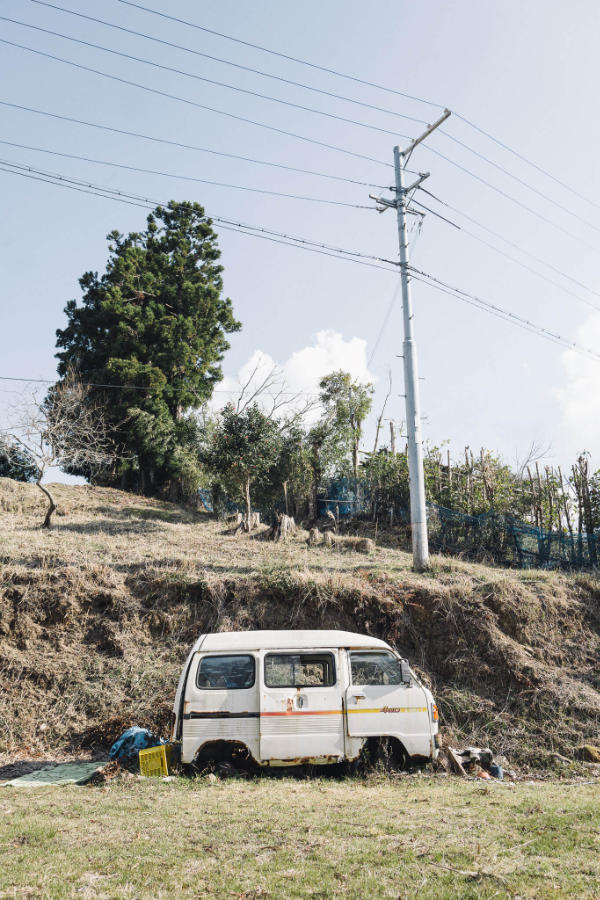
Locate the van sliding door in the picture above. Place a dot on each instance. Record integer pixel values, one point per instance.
(301, 714)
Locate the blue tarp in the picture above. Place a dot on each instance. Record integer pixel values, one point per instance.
(127, 747)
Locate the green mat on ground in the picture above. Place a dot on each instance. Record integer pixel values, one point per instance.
(64, 773)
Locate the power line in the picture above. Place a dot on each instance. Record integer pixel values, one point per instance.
(526, 160)
(331, 94)
(136, 387)
(520, 181)
(506, 255)
(300, 106)
(357, 80)
(194, 103)
(510, 197)
(294, 134)
(281, 55)
(510, 244)
(384, 322)
(224, 84)
(238, 187)
(279, 130)
(74, 188)
(148, 203)
(159, 140)
(501, 312)
(229, 62)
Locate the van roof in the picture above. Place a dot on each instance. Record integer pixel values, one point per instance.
(285, 640)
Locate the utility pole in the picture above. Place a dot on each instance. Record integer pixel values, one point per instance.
(418, 508)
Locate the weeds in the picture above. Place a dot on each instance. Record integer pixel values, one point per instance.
(96, 620)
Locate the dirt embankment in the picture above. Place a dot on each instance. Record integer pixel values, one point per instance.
(96, 619)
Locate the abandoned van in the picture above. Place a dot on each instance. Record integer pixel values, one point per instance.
(287, 698)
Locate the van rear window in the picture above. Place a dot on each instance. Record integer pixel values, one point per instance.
(299, 670)
(234, 672)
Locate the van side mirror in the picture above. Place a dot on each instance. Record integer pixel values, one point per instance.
(405, 668)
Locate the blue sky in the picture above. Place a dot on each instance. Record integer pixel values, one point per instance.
(527, 73)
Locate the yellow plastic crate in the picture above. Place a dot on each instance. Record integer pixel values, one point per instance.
(155, 760)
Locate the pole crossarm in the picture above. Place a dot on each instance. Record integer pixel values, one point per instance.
(406, 153)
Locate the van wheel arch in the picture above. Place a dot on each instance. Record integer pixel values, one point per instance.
(382, 752)
(211, 753)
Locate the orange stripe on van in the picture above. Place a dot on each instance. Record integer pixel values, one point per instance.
(305, 712)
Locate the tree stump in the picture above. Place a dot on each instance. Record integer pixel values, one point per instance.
(314, 537)
(247, 523)
(250, 522)
(282, 527)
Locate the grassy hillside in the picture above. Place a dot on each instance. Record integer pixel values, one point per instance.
(97, 616)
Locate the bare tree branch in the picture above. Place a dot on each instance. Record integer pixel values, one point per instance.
(64, 429)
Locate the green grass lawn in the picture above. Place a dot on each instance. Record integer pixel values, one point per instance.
(409, 836)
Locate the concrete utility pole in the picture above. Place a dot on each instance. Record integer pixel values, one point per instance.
(418, 508)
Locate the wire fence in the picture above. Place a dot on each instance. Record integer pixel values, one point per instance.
(497, 536)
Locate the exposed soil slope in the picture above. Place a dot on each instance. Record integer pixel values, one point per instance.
(97, 616)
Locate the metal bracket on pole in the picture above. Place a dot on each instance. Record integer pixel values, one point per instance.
(383, 203)
(416, 184)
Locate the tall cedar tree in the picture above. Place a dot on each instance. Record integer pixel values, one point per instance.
(155, 322)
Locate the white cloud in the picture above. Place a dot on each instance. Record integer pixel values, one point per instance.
(579, 398)
(302, 371)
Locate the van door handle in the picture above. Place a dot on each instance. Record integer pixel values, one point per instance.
(359, 696)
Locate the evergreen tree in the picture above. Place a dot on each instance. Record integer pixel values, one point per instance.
(154, 322)
(244, 449)
(16, 462)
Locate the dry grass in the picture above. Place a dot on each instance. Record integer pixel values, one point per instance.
(97, 615)
(286, 838)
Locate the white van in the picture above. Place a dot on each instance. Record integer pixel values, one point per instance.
(287, 698)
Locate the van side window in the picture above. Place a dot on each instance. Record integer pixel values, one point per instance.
(225, 672)
(299, 670)
(375, 668)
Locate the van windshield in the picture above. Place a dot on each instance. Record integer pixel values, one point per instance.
(299, 670)
(375, 668)
(225, 672)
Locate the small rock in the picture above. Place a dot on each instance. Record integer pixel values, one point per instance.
(211, 777)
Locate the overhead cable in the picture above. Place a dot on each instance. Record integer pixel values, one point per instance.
(505, 313)
(194, 103)
(228, 224)
(506, 255)
(159, 140)
(520, 181)
(525, 159)
(223, 84)
(357, 80)
(281, 55)
(510, 197)
(510, 243)
(282, 131)
(137, 387)
(230, 62)
(238, 187)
